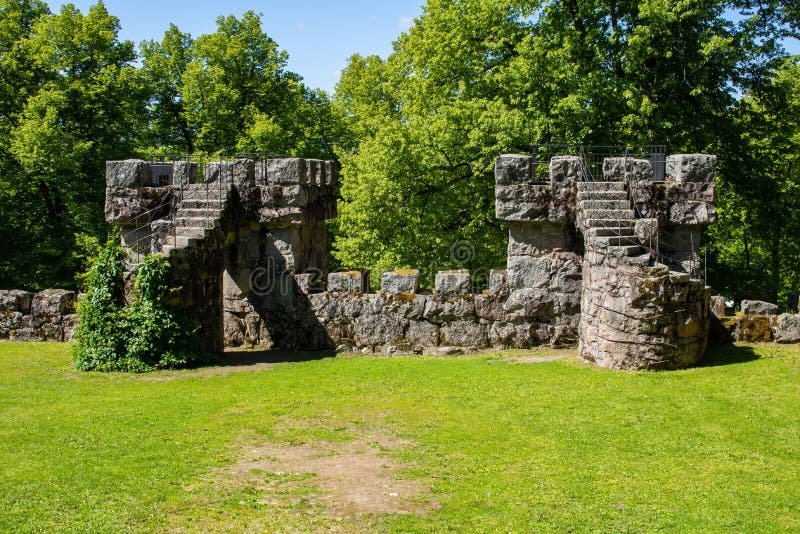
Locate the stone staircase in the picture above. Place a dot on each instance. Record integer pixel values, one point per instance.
(197, 218)
(607, 219)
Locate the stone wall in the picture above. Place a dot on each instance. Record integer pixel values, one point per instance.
(48, 315)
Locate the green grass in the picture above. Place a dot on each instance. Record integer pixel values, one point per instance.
(554, 446)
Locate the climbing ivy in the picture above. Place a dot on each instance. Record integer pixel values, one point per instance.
(146, 334)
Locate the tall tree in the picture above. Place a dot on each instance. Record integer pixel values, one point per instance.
(473, 79)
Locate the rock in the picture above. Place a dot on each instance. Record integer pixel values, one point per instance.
(512, 169)
(422, 334)
(400, 282)
(498, 282)
(758, 307)
(288, 171)
(469, 334)
(565, 171)
(445, 308)
(184, 173)
(752, 329)
(539, 238)
(718, 305)
(458, 282)
(523, 202)
(692, 167)
(70, 324)
(128, 173)
(559, 271)
(53, 303)
(786, 328)
(646, 230)
(349, 282)
(15, 300)
(691, 212)
(373, 330)
(690, 191)
(638, 171)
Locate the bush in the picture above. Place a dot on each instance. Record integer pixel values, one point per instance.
(145, 335)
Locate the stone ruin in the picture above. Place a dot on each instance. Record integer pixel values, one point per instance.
(608, 262)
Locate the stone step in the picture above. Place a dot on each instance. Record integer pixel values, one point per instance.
(603, 195)
(607, 241)
(212, 213)
(608, 223)
(604, 204)
(202, 204)
(180, 241)
(610, 231)
(191, 232)
(211, 193)
(609, 214)
(629, 250)
(194, 221)
(601, 186)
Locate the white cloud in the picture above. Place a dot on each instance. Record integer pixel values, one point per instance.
(300, 27)
(405, 22)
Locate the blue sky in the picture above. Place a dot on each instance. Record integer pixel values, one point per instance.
(319, 35)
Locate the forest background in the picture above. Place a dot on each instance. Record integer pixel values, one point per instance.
(416, 133)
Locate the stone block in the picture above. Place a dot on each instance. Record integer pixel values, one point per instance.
(467, 334)
(15, 300)
(404, 281)
(692, 191)
(421, 334)
(758, 307)
(522, 202)
(691, 212)
(558, 272)
(184, 173)
(718, 305)
(565, 171)
(512, 169)
(287, 171)
(349, 282)
(786, 328)
(498, 282)
(638, 171)
(330, 173)
(691, 167)
(646, 230)
(128, 173)
(458, 282)
(53, 303)
(533, 239)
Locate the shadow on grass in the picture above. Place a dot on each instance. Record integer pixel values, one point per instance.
(246, 358)
(728, 354)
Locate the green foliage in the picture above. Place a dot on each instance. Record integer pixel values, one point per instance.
(145, 335)
(474, 79)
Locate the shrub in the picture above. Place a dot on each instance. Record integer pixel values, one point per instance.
(145, 335)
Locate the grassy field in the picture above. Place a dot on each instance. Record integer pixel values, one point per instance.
(487, 443)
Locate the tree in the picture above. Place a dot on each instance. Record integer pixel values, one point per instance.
(83, 107)
(474, 79)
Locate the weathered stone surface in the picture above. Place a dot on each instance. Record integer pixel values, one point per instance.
(565, 171)
(638, 317)
(718, 305)
(676, 192)
(128, 173)
(445, 308)
(758, 307)
(750, 328)
(558, 271)
(498, 282)
(349, 282)
(288, 171)
(15, 300)
(646, 230)
(523, 202)
(639, 171)
(53, 303)
(692, 167)
(691, 212)
(786, 328)
(458, 282)
(400, 282)
(468, 334)
(534, 239)
(184, 173)
(512, 169)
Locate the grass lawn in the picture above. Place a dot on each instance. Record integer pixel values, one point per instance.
(486, 443)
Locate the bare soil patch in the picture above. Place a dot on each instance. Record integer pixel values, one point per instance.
(352, 478)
